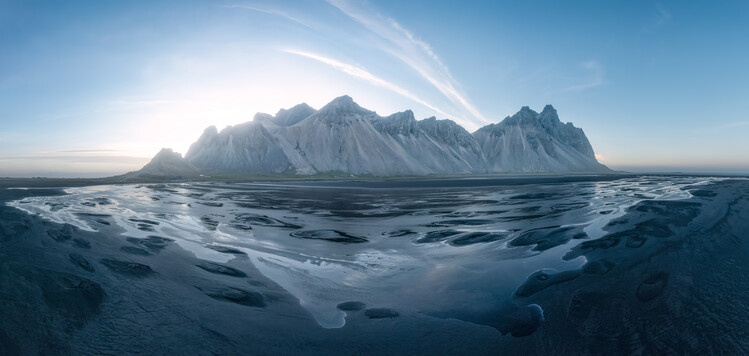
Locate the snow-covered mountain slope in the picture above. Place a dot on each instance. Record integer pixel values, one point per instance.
(530, 142)
(245, 148)
(344, 138)
(169, 163)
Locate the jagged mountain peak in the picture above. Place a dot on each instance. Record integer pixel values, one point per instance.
(342, 104)
(407, 115)
(344, 138)
(527, 109)
(341, 111)
(288, 117)
(169, 163)
(167, 154)
(549, 110)
(526, 116)
(296, 108)
(533, 142)
(210, 131)
(400, 123)
(447, 131)
(263, 117)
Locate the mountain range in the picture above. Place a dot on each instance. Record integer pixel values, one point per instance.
(344, 139)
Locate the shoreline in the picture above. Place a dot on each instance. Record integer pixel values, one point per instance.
(41, 182)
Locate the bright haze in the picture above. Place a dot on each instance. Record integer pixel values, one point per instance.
(97, 88)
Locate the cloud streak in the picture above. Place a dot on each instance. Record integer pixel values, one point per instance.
(363, 74)
(596, 76)
(418, 55)
(110, 159)
(733, 125)
(272, 12)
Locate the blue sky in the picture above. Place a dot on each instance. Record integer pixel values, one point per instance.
(91, 88)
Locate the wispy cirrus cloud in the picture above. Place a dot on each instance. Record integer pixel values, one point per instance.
(272, 11)
(109, 159)
(363, 74)
(92, 151)
(661, 18)
(733, 125)
(595, 76)
(417, 54)
(397, 42)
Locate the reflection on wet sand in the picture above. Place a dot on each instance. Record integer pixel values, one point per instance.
(492, 255)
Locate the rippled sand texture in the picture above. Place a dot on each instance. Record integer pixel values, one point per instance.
(643, 264)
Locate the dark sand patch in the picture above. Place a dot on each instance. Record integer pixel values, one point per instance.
(241, 226)
(437, 236)
(75, 297)
(10, 230)
(528, 209)
(599, 315)
(605, 242)
(209, 223)
(211, 204)
(237, 296)
(81, 243)
(508, 317)
(569, 206)
(460, 214)
(7, 345)
(635, 240)
(703, 193)
(172, 202)
(81, 262)
(544, 238)
(56, 206)
(398, 233)
(127, 268)
(478, 237)
(351, 306)
(654, 227)
(514, 218)
(541, 280)
(152, 242)
(144, 221)
(381, 313)
(652, 287)
(534, 196)
(460, 222)
(145, 227)
(599, 267)
(634, 237)
(93, 215)
(134, 250)
(102, 201)
(519, 321)
(263, 220)
(220, 269)
(328, 235)
(225, 249)
(60, 236)
(679, 213)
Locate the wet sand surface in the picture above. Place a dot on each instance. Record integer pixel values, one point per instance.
(634, 265)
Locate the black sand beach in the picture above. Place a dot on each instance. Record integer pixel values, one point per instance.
(665, 277)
